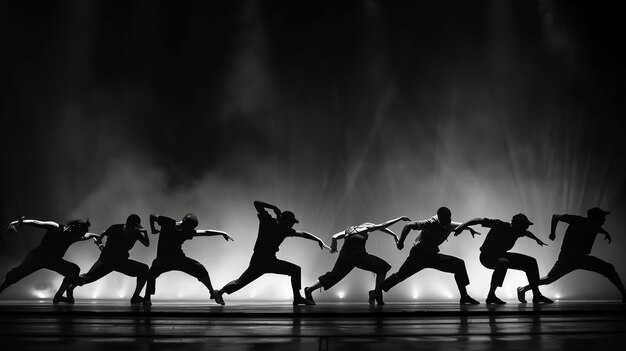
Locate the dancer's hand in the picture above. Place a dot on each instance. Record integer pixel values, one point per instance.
(473, 232)
(228, 237)
(323, 246)
(541, 243)
(400, 245)
(552, 236)
(607, 237)
(12, 228)
(405, 218)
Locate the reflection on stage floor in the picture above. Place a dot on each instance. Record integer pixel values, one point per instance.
(111, 325)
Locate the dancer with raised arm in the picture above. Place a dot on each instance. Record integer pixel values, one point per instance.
(576, 249)
(170, 255)
(494, 253)
(49, 254)
(425, 253)
(272, 232)
(353, 255)
(120, 239)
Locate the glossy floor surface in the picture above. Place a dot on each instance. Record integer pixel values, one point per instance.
(114, 325)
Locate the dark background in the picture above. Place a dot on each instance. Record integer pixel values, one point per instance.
(342, 111)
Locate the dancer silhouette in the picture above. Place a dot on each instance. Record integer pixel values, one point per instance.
(49, 254)
(425, 252)
(353, 255)
(576, 248)
(170, 255)
(120, 239)
(494, 253)
(272, 232)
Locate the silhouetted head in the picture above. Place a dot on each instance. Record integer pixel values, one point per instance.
(133, 224)
(78, 227)
(287, 219)
(444, 215)
(189, 222)
(597, 216)
(520, 222)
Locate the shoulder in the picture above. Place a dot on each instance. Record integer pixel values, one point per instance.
(566, 218)
(165, 221)
(493, 223)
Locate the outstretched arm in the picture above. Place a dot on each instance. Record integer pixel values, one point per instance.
(469, 223)
(211, 232)
(532, 236)
(469, 229)
(88, 236)
(390, 232)
(553, 223)
(261, 206)
(32, 222)
(386, 224)
(310, 236)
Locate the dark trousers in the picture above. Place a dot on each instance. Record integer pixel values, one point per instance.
(262, 264)
(510, 260)
(420, 259)
(35, 261)
(181, 263)
(566, 265)
(348, 261)
(103, 267)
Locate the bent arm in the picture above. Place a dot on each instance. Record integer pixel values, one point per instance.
(143, 238)
(405, 231)
(553, 224)
(261, 206)
(153, 221)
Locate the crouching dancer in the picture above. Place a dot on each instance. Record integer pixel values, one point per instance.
(170, 255)
(120, 239)
(49, 254)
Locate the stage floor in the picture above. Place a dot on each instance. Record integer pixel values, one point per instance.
(115, 325)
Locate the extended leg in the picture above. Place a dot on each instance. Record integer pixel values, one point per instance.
(456, 266)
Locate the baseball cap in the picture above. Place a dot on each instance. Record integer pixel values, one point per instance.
(597, 211)
(520, 217)
(288, 215)
(133, 222)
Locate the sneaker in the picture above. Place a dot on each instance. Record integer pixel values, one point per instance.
(136, 300)
(299, 300)
(217, 296)
(308, 294)
(467, 300)
(372, 297)
(494, 300)
(58, 299)
(379, 298)
(541, 299)
(521, 295)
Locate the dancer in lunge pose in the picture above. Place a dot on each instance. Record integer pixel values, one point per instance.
(494, 253)
(49, 254)
(120, 239)
(576, 248)
(425, 253)
(170, 256)
(353, 255)
(272, 232)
